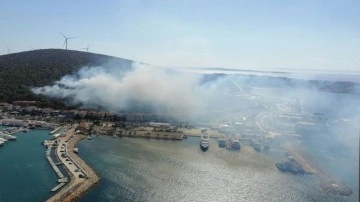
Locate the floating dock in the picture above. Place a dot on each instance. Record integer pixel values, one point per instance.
(55, 130)
(58, 187)
(62, 179)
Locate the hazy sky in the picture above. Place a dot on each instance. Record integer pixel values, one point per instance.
(312, 34)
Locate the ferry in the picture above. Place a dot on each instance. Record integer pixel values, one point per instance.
(204, 142)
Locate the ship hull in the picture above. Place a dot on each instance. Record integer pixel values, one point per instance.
(204, 148)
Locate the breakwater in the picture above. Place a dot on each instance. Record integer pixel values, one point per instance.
(82, 176)
(328, 181)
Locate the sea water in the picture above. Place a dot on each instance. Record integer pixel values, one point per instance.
(25, 174)
(159, 170)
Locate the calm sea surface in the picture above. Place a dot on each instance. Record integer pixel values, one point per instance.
(25, 174)
(158, 170)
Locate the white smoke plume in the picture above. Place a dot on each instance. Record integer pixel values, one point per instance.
(115, 89)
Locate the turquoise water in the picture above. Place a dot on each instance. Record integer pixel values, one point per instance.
(157, 170)
(25, 174)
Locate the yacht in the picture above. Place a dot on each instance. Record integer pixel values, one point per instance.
(11, 137)
(3, 140)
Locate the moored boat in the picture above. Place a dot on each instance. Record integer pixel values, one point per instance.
(235, 144)
(222, 142)
(204, 142)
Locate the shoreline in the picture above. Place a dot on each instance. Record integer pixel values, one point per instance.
(77, 185)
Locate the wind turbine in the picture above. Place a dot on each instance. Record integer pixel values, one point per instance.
(87, 48)
(66, 39)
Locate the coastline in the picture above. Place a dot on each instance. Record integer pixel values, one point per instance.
(77, 186)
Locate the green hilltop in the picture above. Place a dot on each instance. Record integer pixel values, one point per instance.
(19, 72)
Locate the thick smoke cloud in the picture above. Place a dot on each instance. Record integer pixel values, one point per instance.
(115, 89)
(222, 99)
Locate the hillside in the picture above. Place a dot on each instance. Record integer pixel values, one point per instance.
(20, 71)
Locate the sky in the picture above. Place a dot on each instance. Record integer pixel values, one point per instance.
(266, 35)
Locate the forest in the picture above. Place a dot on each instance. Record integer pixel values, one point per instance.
(21, 71)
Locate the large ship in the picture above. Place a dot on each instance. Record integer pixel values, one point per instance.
(204, 142)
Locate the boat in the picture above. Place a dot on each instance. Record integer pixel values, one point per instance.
(2, 143)
(76, 150)
(3, 140)
(235, 144)
(281, 166)
(222, 142)
(7, 137)
(204, 142)
(290, 166)
(88, 137)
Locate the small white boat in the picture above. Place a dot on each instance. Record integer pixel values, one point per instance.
(3, 140)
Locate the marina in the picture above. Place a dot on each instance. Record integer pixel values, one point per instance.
(25, 173)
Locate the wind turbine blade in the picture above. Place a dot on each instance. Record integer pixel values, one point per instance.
(62, 34)
(71, 37)
(64, 42)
